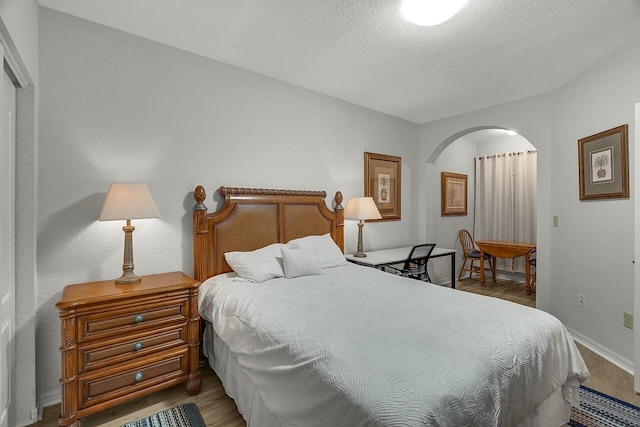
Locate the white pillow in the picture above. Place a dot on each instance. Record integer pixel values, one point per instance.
(300, 262)
(329, 253)
(259, 265)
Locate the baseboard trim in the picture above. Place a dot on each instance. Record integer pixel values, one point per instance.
(34, 417)
(622, 363)
(48, 399)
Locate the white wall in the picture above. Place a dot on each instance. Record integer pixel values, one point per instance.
(593, 247)
(591, 252)
(456, 158)
(115, 107)
(19, 29)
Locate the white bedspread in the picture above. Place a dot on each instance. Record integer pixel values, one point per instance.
(356, 346)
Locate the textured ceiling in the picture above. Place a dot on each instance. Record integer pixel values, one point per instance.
(362, 51)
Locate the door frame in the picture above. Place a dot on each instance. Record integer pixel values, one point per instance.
(636, 269)
(24, 410)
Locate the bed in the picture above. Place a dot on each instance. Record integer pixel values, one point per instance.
(311, 340)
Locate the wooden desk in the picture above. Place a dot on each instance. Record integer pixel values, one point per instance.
(506, 249)
(379, 259)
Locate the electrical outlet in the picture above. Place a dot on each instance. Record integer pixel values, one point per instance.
(581, 301)
(555, 220)
(628, 320)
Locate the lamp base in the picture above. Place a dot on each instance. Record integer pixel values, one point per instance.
(127, 278)
(359, 253)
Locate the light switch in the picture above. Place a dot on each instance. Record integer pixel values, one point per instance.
(555, 220)
(628, 320)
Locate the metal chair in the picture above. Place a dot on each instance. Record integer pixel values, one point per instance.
(471, 254)
(415, 266)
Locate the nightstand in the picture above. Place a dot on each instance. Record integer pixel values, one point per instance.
(120, 342)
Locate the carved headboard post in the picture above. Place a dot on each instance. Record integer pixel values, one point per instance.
(339, 209)
(200, 232)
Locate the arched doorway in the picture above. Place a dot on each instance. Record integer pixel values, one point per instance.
(457, 154)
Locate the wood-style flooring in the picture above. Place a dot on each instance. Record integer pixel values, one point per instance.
(217, 409)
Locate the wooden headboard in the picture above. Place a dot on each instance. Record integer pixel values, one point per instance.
(252, 218)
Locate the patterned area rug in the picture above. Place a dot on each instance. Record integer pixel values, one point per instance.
(185, 415)
(601, 410)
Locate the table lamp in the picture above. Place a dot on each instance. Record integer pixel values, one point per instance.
(127, 202)
(361, 208)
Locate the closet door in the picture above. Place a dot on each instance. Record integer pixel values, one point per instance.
(7, 244)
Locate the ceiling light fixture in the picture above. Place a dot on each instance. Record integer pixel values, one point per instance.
(430, 12)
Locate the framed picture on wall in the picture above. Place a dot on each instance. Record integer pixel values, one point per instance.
(454, 194)
(382, 175)
(603, 161)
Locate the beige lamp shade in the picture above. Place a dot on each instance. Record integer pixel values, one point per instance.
(128, 201)
(361, 208)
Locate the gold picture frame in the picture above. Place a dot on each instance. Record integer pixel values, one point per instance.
(382, 182)
(454, 194)
(603, 161)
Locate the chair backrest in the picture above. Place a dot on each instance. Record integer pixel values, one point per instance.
(419, 255)
(466, 241)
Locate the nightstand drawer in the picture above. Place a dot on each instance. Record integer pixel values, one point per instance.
(130, 320)
(97, 355)
(97, 387)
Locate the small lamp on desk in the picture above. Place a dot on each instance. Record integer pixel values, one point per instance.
(361, 208)
(127, 202)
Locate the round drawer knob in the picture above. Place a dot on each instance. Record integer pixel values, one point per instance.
(138, 376)
(138, 318)
(137, 346)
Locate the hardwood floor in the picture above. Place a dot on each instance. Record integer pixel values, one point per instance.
(218, 410)
(503, 289)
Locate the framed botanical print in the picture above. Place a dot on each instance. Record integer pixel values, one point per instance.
(454, 194)
(382, 175)
(603, 161)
